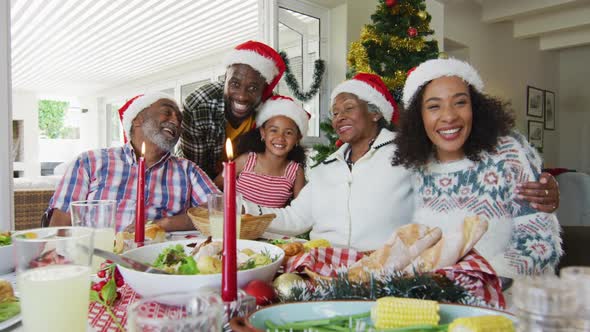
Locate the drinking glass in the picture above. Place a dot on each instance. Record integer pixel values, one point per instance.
(176, 312)
(578, 277)
(53, 277)
(215, 203)
(100, 216)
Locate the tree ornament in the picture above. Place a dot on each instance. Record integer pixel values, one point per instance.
(412, 32)
(261, 290)
(443, 55)
(390, 3)
(285, 282)
(422, 15)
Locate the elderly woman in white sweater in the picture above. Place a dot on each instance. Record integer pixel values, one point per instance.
(355, 198)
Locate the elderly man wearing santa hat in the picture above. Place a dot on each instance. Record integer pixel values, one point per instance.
(172, 184)
(221, 110)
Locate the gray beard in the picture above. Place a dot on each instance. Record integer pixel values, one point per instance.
(151, 130)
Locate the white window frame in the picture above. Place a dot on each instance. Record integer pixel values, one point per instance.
(270, 10)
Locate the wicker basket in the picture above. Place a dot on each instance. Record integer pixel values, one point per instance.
(251, 227)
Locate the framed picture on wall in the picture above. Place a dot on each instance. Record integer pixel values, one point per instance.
(536, 134)
(549, 110)
(535, 102)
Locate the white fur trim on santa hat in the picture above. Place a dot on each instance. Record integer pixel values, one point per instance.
(139, 105)
(436, 68)
(265, 66)
(367, 93)
(285, 107)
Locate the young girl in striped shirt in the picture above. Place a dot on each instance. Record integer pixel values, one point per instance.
(271, 161)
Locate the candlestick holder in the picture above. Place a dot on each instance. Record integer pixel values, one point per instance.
(241, 307)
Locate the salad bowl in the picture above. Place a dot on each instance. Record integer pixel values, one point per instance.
(149, 284)
(6, 254)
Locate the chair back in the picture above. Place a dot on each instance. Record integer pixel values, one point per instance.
(574, 203)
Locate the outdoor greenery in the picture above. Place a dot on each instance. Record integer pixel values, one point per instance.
(52, 114)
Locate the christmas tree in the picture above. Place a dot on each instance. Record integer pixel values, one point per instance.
(395, 43)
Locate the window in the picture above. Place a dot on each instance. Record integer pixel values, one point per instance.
(301, 36)
(114, 128)
(189, 88)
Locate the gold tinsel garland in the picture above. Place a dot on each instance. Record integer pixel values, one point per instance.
(358, 57)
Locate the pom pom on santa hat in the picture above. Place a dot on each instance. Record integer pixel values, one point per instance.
(370, 88)
(263, 59)
(282, 105)
(436, 68)
(135, 105)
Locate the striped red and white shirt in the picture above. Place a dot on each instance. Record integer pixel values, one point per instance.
(266, 190)
(172, 185)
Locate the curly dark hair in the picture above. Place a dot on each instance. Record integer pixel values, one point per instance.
(252, 142)
(491, 118)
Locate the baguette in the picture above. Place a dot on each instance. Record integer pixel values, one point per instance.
(455, 243)
(405, 244)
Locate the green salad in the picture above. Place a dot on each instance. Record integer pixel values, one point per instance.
(5, 239)
(175, 260)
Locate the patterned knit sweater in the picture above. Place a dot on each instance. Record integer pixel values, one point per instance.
(519, 240)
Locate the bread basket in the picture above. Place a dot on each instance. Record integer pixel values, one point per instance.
(251, 227)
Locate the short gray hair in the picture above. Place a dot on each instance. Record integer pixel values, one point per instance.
(374, 108)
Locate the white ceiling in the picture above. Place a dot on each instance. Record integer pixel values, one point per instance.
(557, 24)
(84, 46)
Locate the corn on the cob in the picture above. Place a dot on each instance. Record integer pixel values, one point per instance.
(390, 312)
(482, 324)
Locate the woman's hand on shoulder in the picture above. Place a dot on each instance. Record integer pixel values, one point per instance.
(543, 195)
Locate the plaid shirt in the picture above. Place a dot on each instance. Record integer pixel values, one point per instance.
(203, 128)
(172, 184)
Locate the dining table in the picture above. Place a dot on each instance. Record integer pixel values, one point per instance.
(100, 321)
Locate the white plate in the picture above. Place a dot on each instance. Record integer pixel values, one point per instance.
(9, 322)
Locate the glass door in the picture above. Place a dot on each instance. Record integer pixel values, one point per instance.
(302, 34)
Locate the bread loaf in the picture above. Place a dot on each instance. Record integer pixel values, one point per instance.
(153, 232)
(456, 242)
(405, 244)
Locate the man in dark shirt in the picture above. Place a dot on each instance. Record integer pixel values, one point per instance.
(221, 110)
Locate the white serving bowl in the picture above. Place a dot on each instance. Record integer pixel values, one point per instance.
(6, 259)
(149, 284)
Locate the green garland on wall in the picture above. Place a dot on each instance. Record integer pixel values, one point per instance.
(291, 80)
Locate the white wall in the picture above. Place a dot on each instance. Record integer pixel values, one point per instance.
(24, 107)
(507, 65)
(574, 109)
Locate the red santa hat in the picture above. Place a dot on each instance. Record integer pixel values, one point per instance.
(135, 105)
(436, 68)
(263, 59)
(370, 88)
(282, 105)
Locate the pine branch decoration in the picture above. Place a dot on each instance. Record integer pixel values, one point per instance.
(421, 286)
(323, 151)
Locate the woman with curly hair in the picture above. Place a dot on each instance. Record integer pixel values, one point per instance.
(468, 161)
(270, 160)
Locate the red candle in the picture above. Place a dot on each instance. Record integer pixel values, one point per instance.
(139, 206)
(229, 269)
